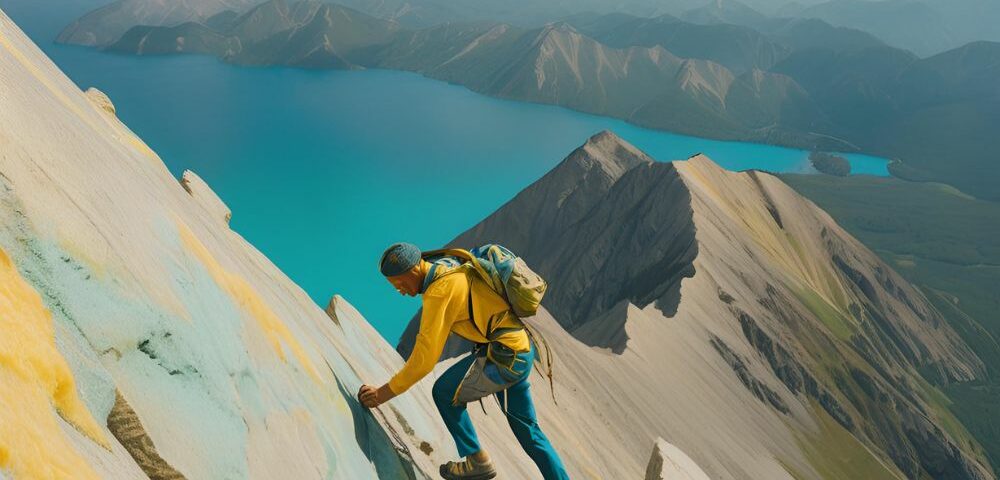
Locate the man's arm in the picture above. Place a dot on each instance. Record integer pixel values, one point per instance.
(434, 330)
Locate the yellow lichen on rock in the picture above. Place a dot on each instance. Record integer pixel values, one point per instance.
(249, 300)
(34, 378)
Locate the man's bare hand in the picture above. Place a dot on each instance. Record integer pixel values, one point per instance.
(368, 396)
(371, 397)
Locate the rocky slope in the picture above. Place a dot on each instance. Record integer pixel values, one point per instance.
(724, 312)
(142, 337)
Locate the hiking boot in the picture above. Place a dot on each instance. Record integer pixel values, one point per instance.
(468, 469)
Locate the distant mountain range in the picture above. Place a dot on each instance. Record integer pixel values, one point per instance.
(637, 79)
(926, 27)
(723, 12)
(802, 83)
(909, 24)
(647, 85)
(108, 23)
(105, 24)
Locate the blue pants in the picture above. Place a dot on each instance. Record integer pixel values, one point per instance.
(520, 415)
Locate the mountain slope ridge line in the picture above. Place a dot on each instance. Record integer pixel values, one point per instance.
(812, 342)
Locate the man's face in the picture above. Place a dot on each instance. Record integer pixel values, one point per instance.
(406, 283)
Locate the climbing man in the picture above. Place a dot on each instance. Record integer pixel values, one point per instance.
(455, 300)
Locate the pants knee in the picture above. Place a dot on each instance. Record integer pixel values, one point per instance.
(526, 431)
(441, 395)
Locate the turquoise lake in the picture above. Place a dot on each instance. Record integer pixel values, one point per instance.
(324, 169)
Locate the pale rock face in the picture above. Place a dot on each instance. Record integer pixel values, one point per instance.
(194, 185)
(670, 463)
(142, 337)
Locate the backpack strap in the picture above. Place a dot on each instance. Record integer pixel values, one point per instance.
(429, 278)
(474, 266)
(469, 258)
(472, 315)
(436, 260)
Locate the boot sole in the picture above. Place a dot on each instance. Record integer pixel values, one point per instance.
(481, 476)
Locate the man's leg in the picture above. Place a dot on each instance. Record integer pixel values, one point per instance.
(456, 418)
(524, 423)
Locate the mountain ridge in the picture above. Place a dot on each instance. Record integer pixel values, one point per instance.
(815, 289)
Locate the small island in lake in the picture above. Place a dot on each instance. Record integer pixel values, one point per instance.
(830, 164)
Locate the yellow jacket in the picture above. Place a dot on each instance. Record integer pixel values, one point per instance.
(446, 310)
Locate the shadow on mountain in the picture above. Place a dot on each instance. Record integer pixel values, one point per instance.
(607, 227)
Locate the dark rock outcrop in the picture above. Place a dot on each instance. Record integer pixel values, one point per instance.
(125, 425)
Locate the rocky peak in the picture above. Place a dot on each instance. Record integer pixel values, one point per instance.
(610, 153)
(566, 215)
